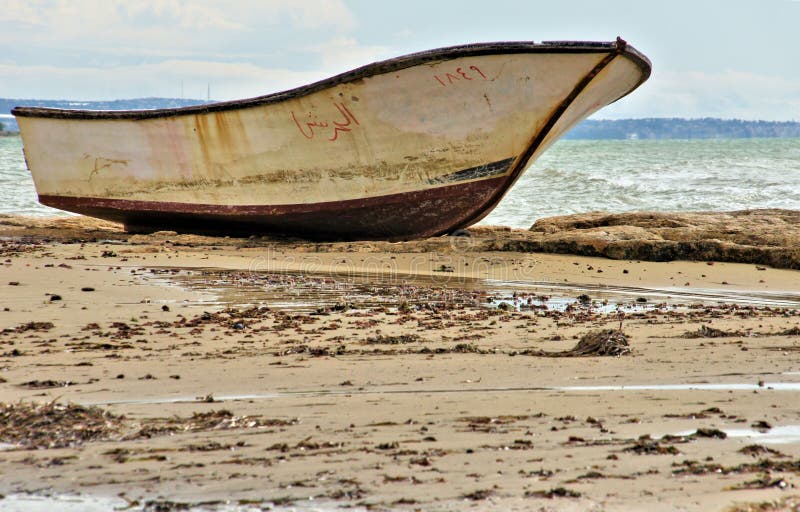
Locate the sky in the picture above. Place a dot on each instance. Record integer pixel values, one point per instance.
(711, 58)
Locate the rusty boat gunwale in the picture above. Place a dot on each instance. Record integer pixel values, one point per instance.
(371, 217)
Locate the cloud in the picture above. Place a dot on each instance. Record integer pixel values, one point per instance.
(93, 49)
(315, 13)
(197, 14)
(55, 29)
(186, 15)
(19, 11)
(345, 53)
(728, 94)
(166, 79)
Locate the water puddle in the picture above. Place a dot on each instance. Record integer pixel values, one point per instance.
(61, 503)
(773, 386)
(786, 434)
(733, 386)
(664, 295)
(776, 435)
(88, 503)
(308, 292)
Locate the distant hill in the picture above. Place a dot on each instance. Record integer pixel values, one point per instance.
(652, 128)
(6, 104)
(678, 128)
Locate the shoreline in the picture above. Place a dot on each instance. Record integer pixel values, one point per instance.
(392, 393)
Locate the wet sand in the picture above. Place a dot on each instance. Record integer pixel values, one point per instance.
(169, 370)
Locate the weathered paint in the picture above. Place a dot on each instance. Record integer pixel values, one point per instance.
(399, 149)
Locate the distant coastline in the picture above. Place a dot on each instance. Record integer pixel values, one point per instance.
(679, 128)
(591, 129)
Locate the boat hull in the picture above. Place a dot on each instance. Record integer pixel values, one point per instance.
(406, 148)
(392, 217)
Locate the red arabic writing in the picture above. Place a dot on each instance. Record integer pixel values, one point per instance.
(307, 128)
(460, 74)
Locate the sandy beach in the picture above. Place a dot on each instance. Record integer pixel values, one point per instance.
(169, 371)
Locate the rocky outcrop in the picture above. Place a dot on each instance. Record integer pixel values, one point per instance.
(73, 228)
(765, 237)
(769, 237)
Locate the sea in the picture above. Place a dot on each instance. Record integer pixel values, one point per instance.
(576, 176)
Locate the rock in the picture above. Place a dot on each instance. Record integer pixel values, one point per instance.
(65, 229)
(768, 237)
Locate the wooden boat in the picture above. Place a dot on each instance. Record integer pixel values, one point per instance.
(411, 147)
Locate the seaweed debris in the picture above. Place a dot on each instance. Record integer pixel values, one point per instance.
(55, 425)
(204, 421)
(605, 342)
(557, 492)
(711, 332)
